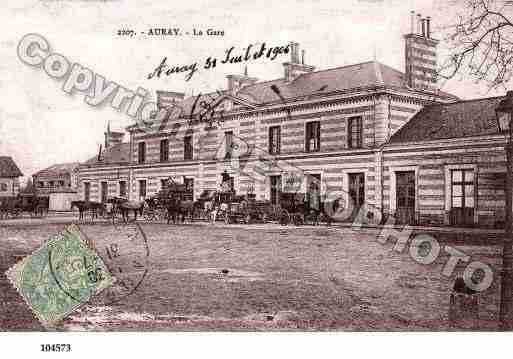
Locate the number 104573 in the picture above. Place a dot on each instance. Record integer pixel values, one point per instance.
(55, 347)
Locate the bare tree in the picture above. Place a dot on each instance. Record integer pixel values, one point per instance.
(481, 42)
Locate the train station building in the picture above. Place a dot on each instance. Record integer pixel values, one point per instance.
(368, 133)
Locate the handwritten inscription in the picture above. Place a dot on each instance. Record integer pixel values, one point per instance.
(231, 56)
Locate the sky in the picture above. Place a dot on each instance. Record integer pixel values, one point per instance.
(41, 125)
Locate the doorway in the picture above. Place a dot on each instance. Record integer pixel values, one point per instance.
(405, 197)
(357, 191)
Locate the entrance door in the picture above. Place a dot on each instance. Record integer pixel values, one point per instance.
(104, 192)
(357, 191)
(87, 191)
(275, 189)
(405, 195)
(462, 197)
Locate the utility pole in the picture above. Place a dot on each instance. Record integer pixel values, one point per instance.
(504, 117)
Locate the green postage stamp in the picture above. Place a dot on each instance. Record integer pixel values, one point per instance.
(60, 276)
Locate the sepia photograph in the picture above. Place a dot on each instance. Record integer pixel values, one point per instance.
(233, 167)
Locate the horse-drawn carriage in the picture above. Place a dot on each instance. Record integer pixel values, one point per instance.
(24, 203)
(226, 205)
(174, 202)
(303, 208)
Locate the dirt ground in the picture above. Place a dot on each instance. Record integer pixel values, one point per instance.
(253, 277)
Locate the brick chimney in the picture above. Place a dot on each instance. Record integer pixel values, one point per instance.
(237, 82)
(113, 138)
(168, 98)
(420, 54)
(295, 67)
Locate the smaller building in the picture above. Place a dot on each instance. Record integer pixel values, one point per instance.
(447, 166)
(9, 177)
(59, 183)
(106, 175)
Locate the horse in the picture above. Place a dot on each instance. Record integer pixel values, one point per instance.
(172, 207)
(125, 206)
(96, 208)
(186, 209)
(6, 205)
(40, 207)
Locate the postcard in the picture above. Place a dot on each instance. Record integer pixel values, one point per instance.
(239, 167)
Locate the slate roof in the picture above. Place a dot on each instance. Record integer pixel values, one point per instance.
(118, 154)
(455, 120)
(58, 169)
(8, 167)
(362, 75)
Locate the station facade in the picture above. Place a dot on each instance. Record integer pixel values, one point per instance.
(346, 131)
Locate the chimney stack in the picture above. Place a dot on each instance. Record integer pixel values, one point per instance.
(294, 68)
(412, 22)
(294, 52)
(420, 70)
(113, 138)
(168, 98)
(237, 82)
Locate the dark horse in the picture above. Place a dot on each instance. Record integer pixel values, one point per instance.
(125, 206)
(96, 208)
(178, 210)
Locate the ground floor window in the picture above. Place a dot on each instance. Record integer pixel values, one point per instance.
(87, 191)
(142, 188)
(3, 187)
(122, 189)
(104, 191)
(462, 196)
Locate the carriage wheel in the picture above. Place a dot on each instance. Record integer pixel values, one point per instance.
(284, 217)
(298, 219)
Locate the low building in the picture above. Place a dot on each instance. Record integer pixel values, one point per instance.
(59, 183)
(107, 174)
(56, 177)
(446, 166)
(9, 177)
